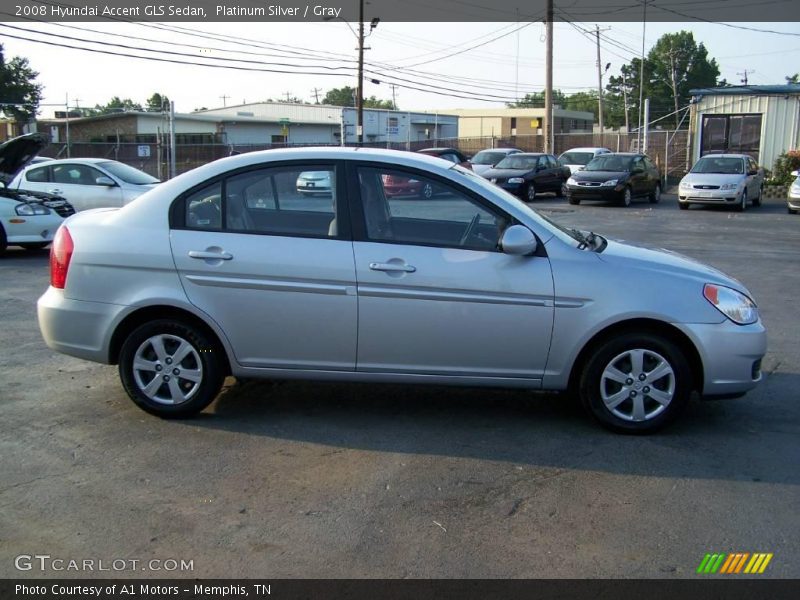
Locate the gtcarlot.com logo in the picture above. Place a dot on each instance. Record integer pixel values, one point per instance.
(45, 562)
(735, 563)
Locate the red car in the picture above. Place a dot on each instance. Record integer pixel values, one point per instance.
(403, 186)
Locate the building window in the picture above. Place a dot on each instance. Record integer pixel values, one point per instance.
(278, 139)
(739, 134)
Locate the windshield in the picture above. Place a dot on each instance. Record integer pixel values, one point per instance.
(128, 174)
(575, 158)
(726, 166)
(609, 162)
(518, 162)
(484, 157)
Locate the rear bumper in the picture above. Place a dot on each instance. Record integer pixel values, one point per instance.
(731, 356)
(75, 327)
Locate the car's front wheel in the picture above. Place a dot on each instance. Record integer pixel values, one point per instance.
(530, 192)
(757, 199)
(426, 191)
(741, 206)
(171, 369)
(636, 383)
(655, 195)
(627, 196)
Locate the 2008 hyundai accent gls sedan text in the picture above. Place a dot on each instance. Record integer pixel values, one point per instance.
(228, 269)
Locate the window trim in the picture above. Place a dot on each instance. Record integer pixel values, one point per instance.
(358, 221)
(177, 213)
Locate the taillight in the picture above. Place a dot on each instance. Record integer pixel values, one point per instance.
(60, 255)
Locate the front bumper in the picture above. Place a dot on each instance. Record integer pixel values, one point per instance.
(598, 192)
(31, 229)
(731, 355)
(718, 197)
(793, 201)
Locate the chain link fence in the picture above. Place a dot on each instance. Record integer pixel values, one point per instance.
(668, 149)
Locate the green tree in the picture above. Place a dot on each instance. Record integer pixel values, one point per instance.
(793, 78)
(346, 96)
(674, 65)
(19, 93)
(536, 100)
(117, 105)
(157, 103)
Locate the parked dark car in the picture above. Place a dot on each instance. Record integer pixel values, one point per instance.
(451, 154)
(619, 178)
(528, 174)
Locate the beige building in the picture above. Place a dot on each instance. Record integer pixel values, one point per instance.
(507, 122)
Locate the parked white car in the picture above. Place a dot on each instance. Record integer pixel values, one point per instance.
(27, 219)
(86, 182)
(722, 179)
(576, 159)
(793, 201)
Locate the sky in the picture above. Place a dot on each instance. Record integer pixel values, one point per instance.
(508, 63)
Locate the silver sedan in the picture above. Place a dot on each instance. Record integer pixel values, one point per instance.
(722, 179)
(229, 269)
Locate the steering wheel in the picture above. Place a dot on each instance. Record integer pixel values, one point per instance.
(473, 225)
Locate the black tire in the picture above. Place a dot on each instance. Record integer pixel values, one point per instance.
(617, 352)
(574, 201)
(206, 358)
(3, 241)
(564, 190)
(530, 192)
(35, 245)
(790, 210)
(683, 205)
(627, 197)
(655, 195)
(741, 206)
(757, 199)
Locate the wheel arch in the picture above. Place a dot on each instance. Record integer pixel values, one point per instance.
(153, 313)
(640, 325)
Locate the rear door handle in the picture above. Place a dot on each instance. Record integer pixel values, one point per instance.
(392, 267)
(210, 255)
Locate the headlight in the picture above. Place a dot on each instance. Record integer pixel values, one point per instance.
(571, 181)
(729, 186)
(516, 180)
(685, 185)
(610, 183)
(28, 210)
(734, 305)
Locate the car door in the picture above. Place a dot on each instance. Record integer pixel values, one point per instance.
(544, 175)
(78, 183)
(639, 177)
(273, 267)
(436, 296)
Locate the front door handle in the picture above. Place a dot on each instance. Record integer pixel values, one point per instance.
(392, 267)
(210, 255)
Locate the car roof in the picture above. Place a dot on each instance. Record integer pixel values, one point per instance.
(88, 161)
(725, 156)
(586, 149)
(501, 150)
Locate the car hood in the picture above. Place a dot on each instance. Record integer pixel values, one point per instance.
(17, 152)
(712, 178)
(584, 175)
(619, 252)
(505, 173)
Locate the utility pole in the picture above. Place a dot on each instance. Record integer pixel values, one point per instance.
(549, 137)
(641, 78)
(288, 96)
(646, 125)
(360, 98)
(625, 99)
(315, 91)
(600, 83)
(744, 75)
(66, 102)
(224, 99)
(394, 97)
(172, 161)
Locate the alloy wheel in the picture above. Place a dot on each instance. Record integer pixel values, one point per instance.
(637, 385)
(167, 369)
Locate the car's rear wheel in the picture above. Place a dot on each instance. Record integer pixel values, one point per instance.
(636, 383)
(171, 369)
(655, 196)
(426, 191)
(627, 196)
(530, 192)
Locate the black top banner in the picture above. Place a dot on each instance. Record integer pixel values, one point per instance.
(697, 11)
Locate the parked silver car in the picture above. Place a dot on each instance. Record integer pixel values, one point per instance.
(228, 269)
(793, 200)
(488, 159)
(86, 182)
(722, 179)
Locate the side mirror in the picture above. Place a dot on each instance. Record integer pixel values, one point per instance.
(518, 240)
(103, 180)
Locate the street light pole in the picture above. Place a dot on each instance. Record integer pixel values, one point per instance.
(360, 99)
